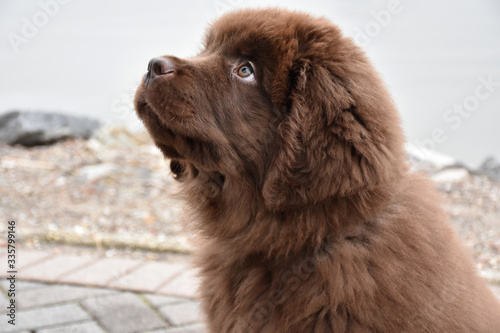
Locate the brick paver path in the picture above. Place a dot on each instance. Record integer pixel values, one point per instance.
(68, 293)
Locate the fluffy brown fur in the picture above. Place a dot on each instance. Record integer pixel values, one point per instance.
(310, 218)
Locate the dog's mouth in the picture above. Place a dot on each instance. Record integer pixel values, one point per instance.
(180, 140)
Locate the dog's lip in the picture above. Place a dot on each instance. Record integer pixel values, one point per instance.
(145, 108)
(165, 115)
(174, 123)
(166, 133)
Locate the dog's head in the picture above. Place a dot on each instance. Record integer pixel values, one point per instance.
(279, 99)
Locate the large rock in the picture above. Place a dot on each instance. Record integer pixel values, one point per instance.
(491, 168)
(442, 168)
(37, 128)
(421, 158)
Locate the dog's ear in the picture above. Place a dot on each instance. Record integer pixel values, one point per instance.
(330, 144)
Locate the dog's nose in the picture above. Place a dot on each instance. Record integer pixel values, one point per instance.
(159, 66)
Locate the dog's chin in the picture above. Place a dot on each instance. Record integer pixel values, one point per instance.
(163, 135)
(169, 151)
(165, 139)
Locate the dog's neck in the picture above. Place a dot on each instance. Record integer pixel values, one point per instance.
(231, 212)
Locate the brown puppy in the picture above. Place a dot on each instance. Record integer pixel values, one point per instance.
(290, 151)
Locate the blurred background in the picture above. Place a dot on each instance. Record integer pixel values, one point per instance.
(112, 195)
(87, 57)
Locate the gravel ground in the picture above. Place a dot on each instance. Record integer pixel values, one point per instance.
(115, 192)
(105, 193)
(473, 205)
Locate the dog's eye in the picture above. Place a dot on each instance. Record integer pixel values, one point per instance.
(246, 72)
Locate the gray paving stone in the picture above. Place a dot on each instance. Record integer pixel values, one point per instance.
(3, 257)
(157, 300)
(22, 286)
(53, 294)
(28, 258)
(52, 269)
(45, 317)
(182, 313)
(149, 277)
(4, 301)
(185, 285)
(102, 272)
(123, 313)
(25, 259)
(88, 327)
